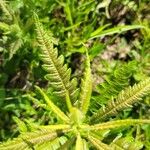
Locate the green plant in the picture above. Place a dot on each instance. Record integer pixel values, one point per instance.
(74, 128)
(115, 82)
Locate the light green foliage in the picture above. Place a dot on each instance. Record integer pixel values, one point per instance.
(114, 30)
(101, 25)
(86, 87)
(21, 125)
(26, 141)
(54, 144)
(58, 73)
(52, 106)
(127, 143)
(75, 129)
(98, 144)
(125, 99)
(118, 123)
(117, 81)
(114, 83)
(79, 143)
(13, 30)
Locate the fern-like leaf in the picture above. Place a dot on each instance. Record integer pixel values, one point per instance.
(5, 9)
(52, 106)
(14, 47)
(125, 99)
(58, 73)
(114, 83)
(52, 145)
(86, 87)
(98, 144)
(21, 125)
(28, 140)
(117, 81)
(117, 124)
